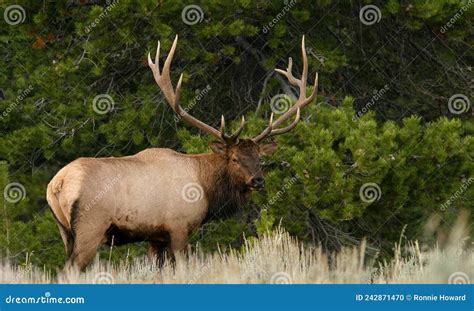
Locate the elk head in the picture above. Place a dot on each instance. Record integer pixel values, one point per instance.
(242, 155)
(243, 160)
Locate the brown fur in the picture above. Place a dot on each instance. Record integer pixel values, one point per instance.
(140, 198)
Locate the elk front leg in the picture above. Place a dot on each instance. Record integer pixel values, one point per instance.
(158, 251)
(178, 243)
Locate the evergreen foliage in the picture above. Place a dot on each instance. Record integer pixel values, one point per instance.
(396, 129)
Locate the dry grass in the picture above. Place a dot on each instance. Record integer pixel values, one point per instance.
(276, 258)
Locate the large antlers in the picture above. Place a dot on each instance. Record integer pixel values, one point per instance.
(172, 96)
(302, 101)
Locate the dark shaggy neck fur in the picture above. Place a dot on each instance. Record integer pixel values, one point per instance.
(225, 195)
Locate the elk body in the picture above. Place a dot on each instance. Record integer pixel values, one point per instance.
(160, 195)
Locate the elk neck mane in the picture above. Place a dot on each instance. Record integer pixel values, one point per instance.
(225, 195)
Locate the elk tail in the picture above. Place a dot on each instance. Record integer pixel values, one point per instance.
(52, 196)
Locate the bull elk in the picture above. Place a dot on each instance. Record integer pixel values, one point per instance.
(159, 195)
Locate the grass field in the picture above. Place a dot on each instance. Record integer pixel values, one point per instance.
(277, 258)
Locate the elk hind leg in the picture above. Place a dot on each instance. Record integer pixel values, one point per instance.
(86, 243)
(68, 239)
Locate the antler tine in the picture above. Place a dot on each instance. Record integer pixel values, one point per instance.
(152, 66)
(222, 126)
(304, 75)
(301, 83)
(289, 127)
(157, 57)
(172, 96)
(269, 131)
(169, 58)
(231, 138)
(177, 93)
(289, 73)
(266, 131)
(302, 99)
(300, 103)
(237, 133)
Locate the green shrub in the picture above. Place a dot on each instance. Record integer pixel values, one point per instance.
(54, 64)
(321, 167)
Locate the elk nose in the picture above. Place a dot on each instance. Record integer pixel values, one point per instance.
(258, 182)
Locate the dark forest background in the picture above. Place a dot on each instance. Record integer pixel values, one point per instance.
(393, 112)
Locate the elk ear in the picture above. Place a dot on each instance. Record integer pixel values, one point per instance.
(218, 146)
(267, 149)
